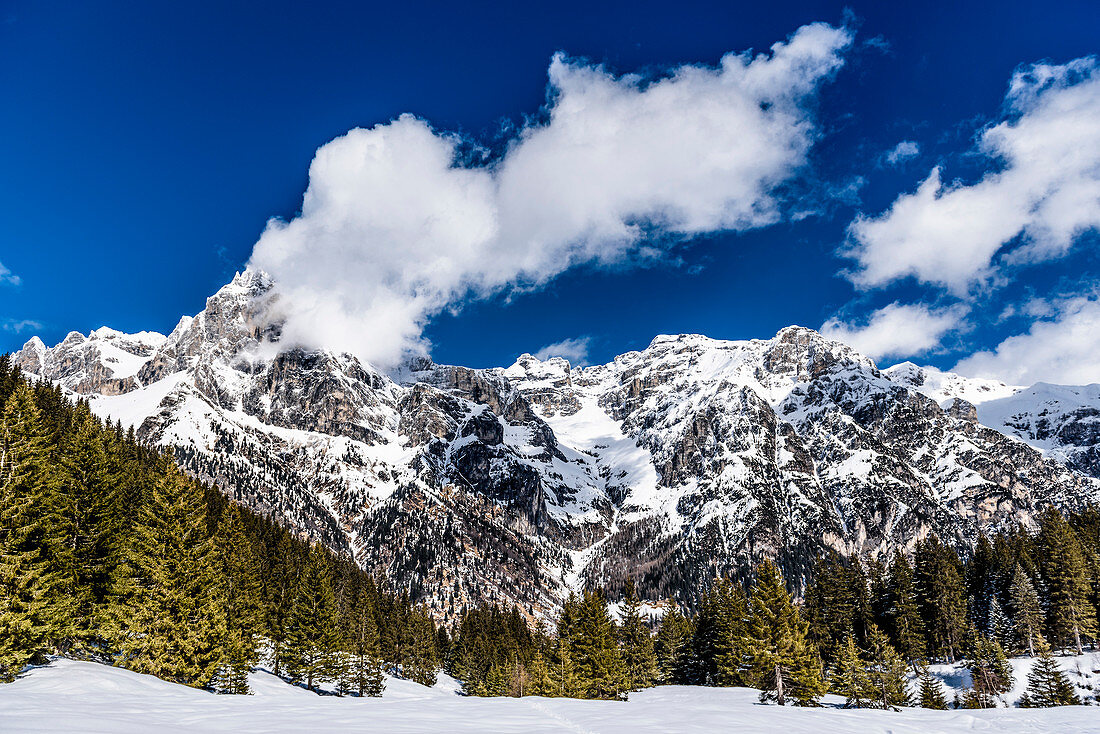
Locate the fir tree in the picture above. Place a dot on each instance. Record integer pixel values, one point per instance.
(243, 602)
(780, 659)
(1026, 612)
(595, 651)
(886, 671)
(903, 612)
(1070, 615)
(989, 670)
(931, 691)
(1047, 685)
(849, 678)
(639, 663)
(35, 609)
(168, 608)
(312, 631)
(539, 682)
(673, 645)
(364, 667)
(942, 597)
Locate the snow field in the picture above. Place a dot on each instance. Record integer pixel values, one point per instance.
(78, 697)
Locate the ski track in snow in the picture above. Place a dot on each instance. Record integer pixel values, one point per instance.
(77, 698)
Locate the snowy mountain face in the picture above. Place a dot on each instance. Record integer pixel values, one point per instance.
(691, 458)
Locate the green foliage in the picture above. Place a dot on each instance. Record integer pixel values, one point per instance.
(849, 677)
(1070, 613)
(673, 646)
(168, 603)
(780, 660)
(638, 659)
(931, 694)
(1047, 685)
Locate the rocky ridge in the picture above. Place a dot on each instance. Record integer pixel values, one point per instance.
(672, 464)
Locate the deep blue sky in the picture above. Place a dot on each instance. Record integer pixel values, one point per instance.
(144, 145)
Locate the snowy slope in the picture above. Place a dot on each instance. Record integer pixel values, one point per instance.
(78, 698)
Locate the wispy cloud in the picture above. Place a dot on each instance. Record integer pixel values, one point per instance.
(8, 277)
(575, 351)
(393, 231)
(18, 326)
(902, 152)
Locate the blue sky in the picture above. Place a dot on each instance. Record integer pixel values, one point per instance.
(144, 148)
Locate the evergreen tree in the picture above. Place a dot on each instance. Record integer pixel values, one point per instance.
(595, 650)
(1047, 685)
(673, 645)
(539, 681)
(243, 602)
(364, 667)
(35, 570)
(989, 670)
(168, 605)
(942, 597)
(1026, 612)
(780, 659)
(422, 662)
(639, 662)
(931, 691)
(849, 678)
(903, 612)
(1070, 615)
(886, 671)
(312, 629)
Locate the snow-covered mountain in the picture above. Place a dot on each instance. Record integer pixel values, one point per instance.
(690, 458)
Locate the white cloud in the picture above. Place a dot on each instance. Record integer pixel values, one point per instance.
(902, 152)
(575, 351)
(18, 326)
(393, 231)
(1043, 190)
(7, 276)
(1064, 349)
(897, 330)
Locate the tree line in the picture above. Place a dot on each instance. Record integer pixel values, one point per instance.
(108, 552)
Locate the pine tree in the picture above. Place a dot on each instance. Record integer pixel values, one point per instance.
(903, 612)
(538, 677)
(168, 606)
(243, 602)
(931, 691)
(885, 671)
(1047, 685)
(422, 664)
(1026, 613)
(780, 659)
(989, 670)
(1070, 615)
(312, 630)
(673, 645)
(364, 666)
(849, 678)
(94, 524)
(35, 570)
(942, 598)
(595, 651)
(639, 662)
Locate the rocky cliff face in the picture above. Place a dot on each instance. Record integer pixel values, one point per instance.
(690, 458)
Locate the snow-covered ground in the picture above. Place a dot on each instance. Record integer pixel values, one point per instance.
(76, 697)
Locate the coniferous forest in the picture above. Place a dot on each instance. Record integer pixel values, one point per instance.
(109, 553)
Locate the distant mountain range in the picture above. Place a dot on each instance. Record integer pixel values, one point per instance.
(690, 458)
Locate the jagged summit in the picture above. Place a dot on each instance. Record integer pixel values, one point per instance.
(691, 457)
